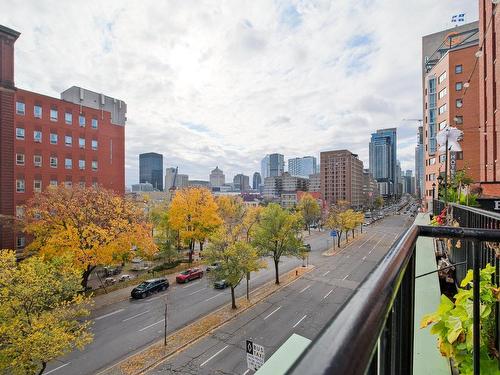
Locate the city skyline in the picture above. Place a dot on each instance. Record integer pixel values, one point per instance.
(195, 106)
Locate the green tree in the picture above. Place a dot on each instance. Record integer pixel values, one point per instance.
(379, 202)
(236, 259)
(41, 312)
(310, 210)
(164, 235)
(278, 234)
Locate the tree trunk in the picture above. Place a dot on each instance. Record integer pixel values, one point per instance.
(277, 272)
(248, 287)
(309, 229)
(191, 250)
(339, 235)
(353, 233)
(233, 298)
(44, 366)
(86, 275)
(201, 245)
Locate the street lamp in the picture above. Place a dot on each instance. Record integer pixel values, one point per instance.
(434, 190)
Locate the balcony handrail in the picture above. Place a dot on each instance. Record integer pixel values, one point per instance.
(349, 341)
(490, 214)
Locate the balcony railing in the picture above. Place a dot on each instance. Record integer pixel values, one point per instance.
(373, 333)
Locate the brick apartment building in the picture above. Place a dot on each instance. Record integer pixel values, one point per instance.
(78, 139)
(489, 82)
(450, 72)
(341, 177)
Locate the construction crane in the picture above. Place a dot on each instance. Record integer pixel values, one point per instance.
(412, 119)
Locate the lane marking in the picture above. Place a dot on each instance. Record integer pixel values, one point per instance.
(296, 324)
(212, 357)
(307, 287)
(191, 284)
(327, 294)
(217, 295)
(326, 273)
(381, 238)
(246, 372)
(373, 235)
(153, 299)
(151, 325)
(272, 313)
(111, 313)
(135, 316)
(57, 368)
(199, 290)
(346, 276)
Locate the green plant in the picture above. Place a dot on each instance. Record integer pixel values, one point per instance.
(453, 322)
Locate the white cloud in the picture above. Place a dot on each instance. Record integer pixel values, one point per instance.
(224, 82)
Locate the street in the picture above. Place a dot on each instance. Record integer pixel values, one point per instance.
(303, 307)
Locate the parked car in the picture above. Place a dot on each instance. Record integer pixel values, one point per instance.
(221, 284)
(213, 267)
(188, 275)
(148, 287)
(109, 281)
(307, 247)
(124, 277)
(111, 271)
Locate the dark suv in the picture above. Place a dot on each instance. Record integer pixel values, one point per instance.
(148, 287)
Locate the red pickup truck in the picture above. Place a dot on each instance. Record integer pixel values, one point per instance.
(188, 275)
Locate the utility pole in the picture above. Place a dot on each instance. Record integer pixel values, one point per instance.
(166, 324)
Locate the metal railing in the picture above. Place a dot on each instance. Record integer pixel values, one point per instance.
(373, 333)
(460, 252)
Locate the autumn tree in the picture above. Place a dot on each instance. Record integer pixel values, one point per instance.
(41, 313)
(231, 210)
(164, 235)
(309, 209)
(340, 219)
(278, 234)
(194, 214)
(236, 259)
(93, 225)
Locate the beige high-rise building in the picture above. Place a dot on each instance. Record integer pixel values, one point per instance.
(341, 177)
(217, 178)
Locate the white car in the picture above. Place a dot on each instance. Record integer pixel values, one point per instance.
(125, 278)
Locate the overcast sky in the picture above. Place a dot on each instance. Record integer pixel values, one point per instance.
(225, 82)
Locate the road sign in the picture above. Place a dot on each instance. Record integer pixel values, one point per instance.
(255, 355)
(333, 233)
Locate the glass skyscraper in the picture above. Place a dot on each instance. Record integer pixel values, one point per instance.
(383, 158)
(151, 169)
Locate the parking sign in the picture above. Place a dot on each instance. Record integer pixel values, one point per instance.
(255, 355)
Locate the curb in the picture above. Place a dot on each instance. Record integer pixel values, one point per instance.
(115, 368)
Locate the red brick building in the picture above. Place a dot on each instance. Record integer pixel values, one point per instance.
(489, 82)
(78, 139)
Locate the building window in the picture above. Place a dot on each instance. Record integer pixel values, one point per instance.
(20, 108)
(94, 184)
(81, 164)
(21, 242)
(459, 120)
(53, 161)
(459, 86)
(38, 111)
(442, 109)
(442, 78)
(19, 159)
(53, 182)
(82, 184)
(459, 103)
(37, 136)
(81, 120)
(458, 69)
(442, 158)
(20, 133)
(19, 212)
(68, 163)
(94, 144)
(37, 160)
(432, 161)
(94, 123)
(94, 165)
(68, 184)
(81, 142)
(442, 93)
(20, 186)
(442, 125)
(53, 114)
(68, 140)
(37, 186)
(68, 118)
(53, 138)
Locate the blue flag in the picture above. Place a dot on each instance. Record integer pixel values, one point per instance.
(458, 18)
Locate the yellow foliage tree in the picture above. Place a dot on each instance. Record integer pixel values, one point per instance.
(193, 213)
(93, 225)
(41, 313)
(310, 210)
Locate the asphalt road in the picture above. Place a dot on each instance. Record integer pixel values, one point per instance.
(303, 307)
(125, 327)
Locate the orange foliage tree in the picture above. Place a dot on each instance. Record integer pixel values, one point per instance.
(193, 213)
(93, 225)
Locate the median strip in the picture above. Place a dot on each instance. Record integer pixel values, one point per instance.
(179, 340)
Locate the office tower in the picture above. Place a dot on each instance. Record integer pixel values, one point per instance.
(217, 178)
(256, 181)
(302, 167)
(151, 169)
(383, 159)
(241, 182)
